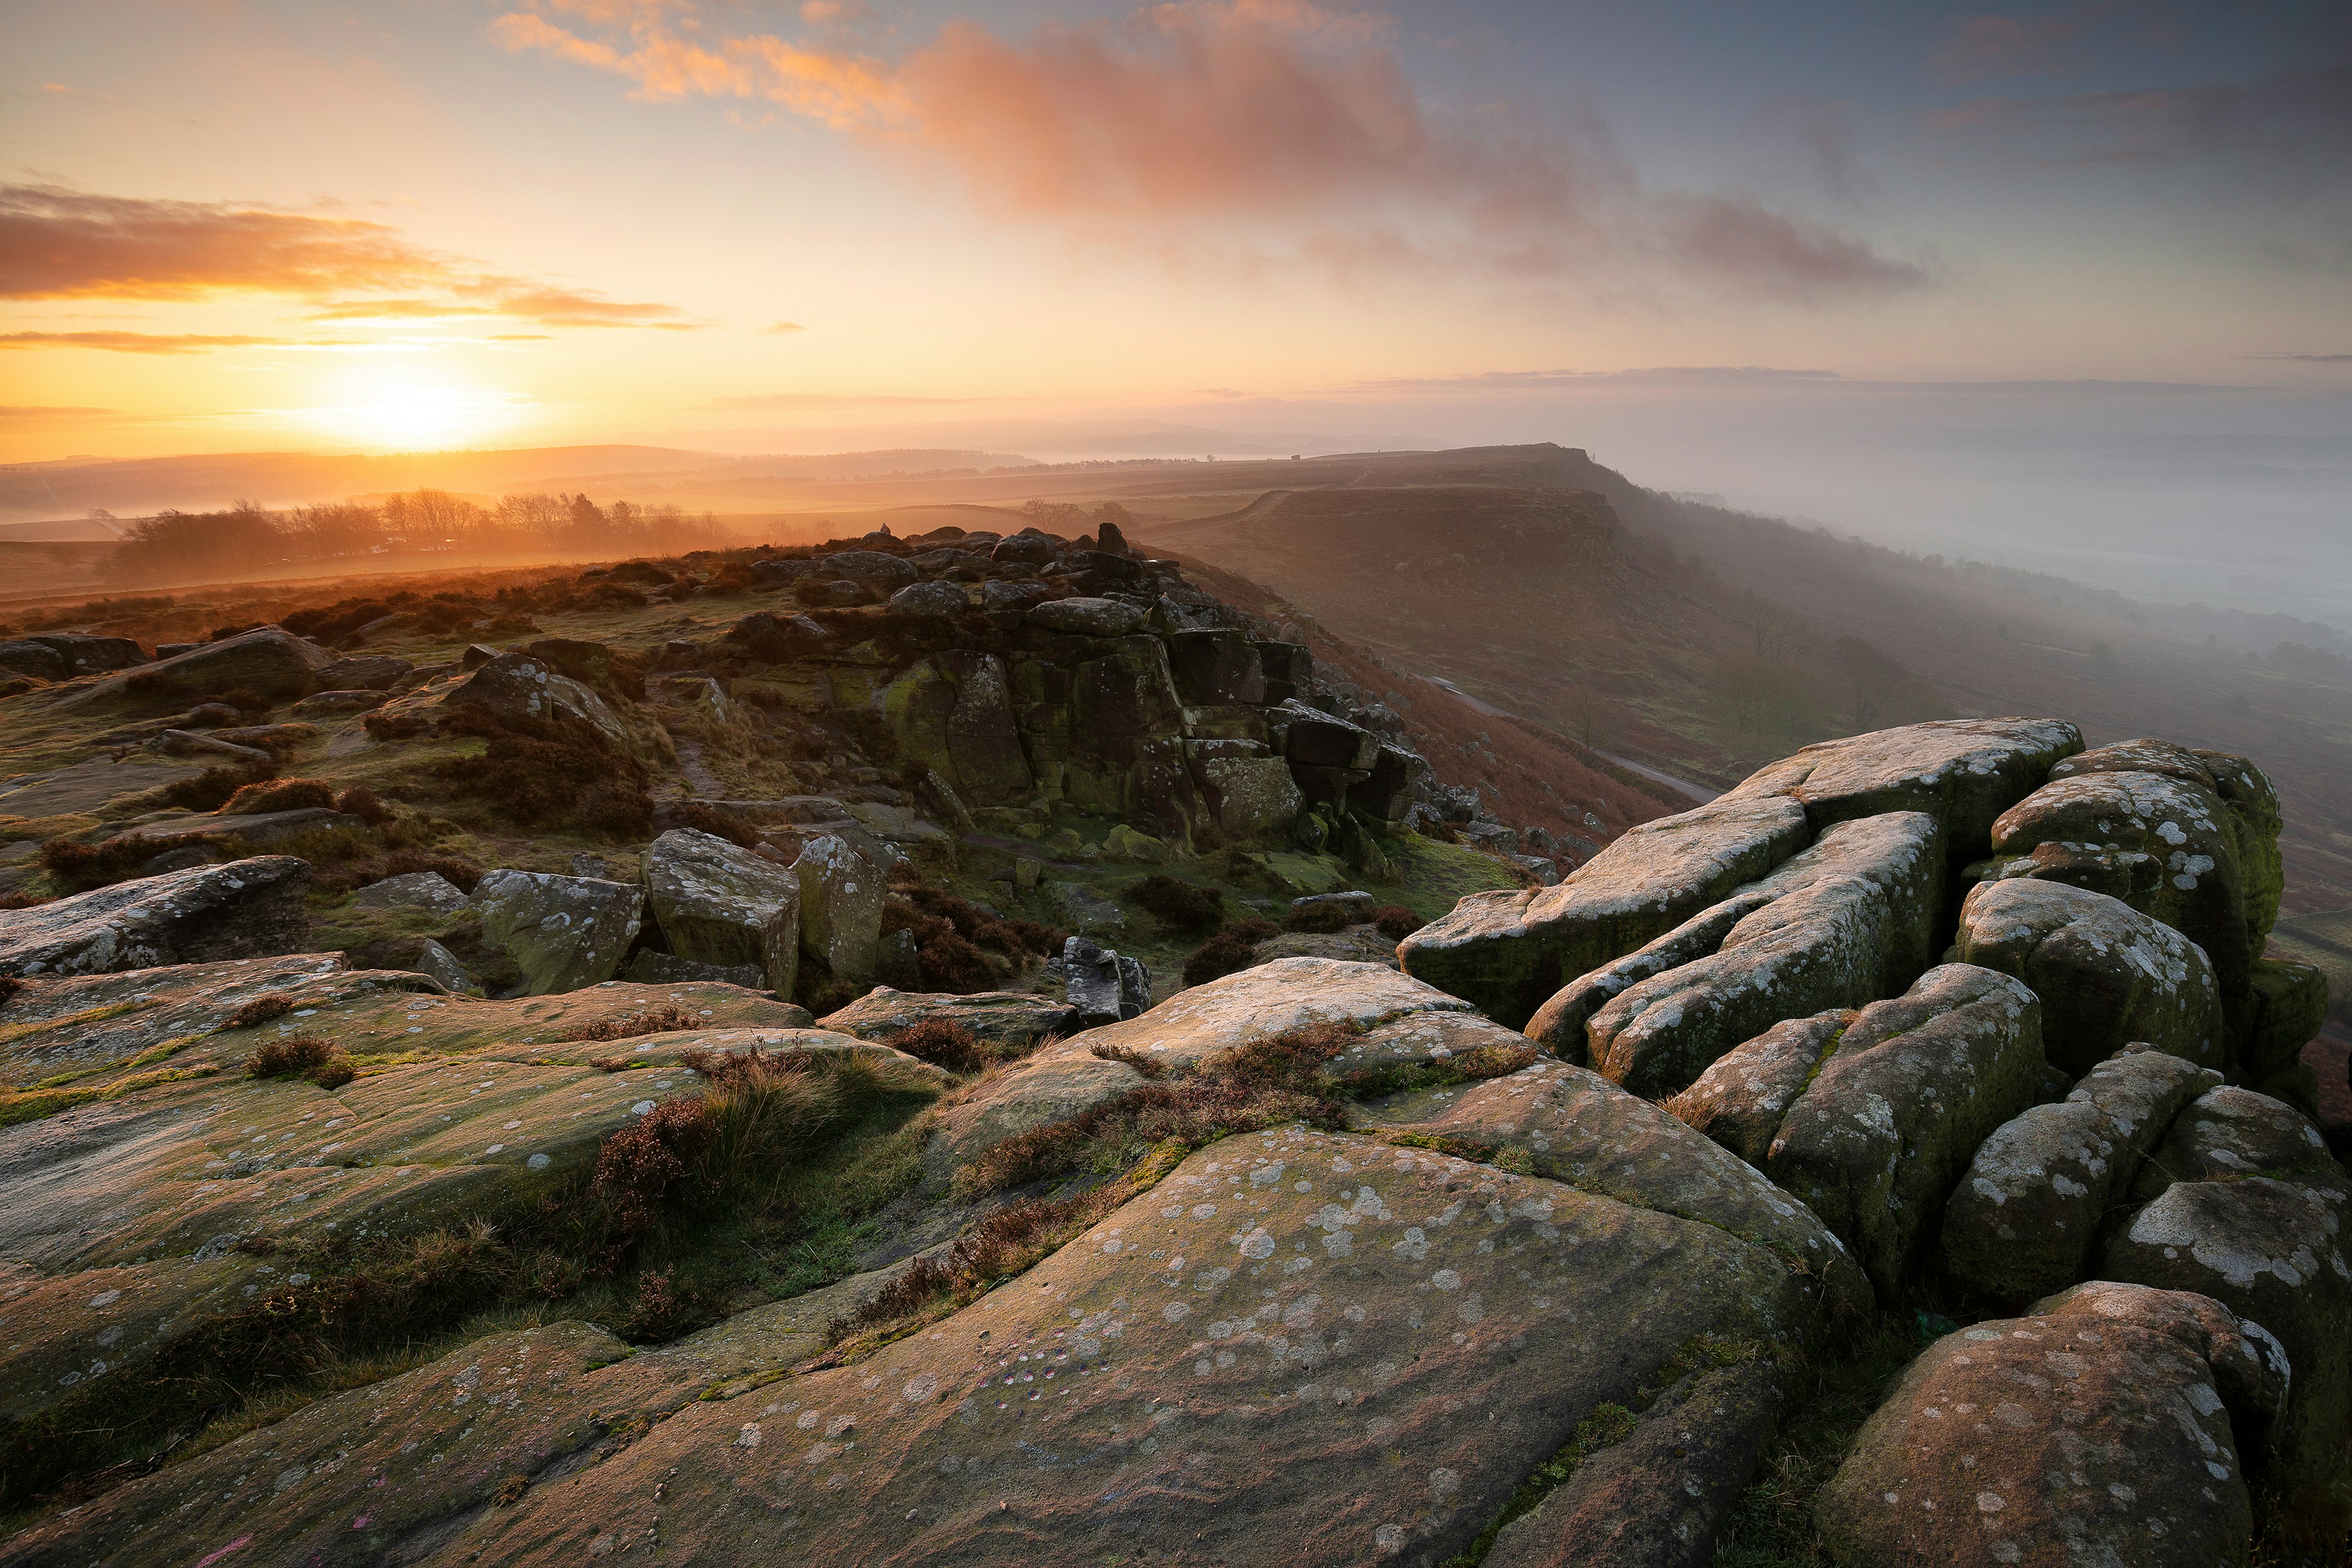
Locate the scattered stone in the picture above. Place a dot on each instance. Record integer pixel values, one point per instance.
(274, 662)
(563, 932)
(86, 653)
(36, 660)
(1089, 617)
(1084, 910)
(723, 907)
(440, 965)
(325, 704)
(868, 566)
(369, 672)
(1357, 904)
(521, 686)
(242, 910)
(2025, 1219)
(1885, 1129)
(931, 599)
(2096, 1431)
(2108, 975)
(413, 889)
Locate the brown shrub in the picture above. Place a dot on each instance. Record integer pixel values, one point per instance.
(1323, 918)
(546, 773)
(718, 824)
(82, 866)
(1396, 921)
(9, 986)
(1144, 1062)
(260, 1010)
(1007, 934)
(1178, 905)
(637, 1165)
(313, 1056)
(1232, 948)
(210, 790)
(945, 1043)
(279, 795)
(363, 803)
(951, 963)
(662, 1020)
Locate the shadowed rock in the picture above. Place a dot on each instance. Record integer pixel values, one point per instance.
(2096, 1431)
(2107, 974)
(842, 891)
(269, 660)
(563, 932)
(1850, 920)
(1012, 1021)
(241, 910)
(2025, 1219)
(2247, 795)
(1558, 1025)
(1887, 1126)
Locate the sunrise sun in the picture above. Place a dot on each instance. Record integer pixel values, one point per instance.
(412, 414)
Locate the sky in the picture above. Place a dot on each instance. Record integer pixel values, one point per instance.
(1932, 273)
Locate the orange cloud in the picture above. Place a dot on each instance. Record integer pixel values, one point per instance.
(1274, 126)
(135, 342)
(59, 244)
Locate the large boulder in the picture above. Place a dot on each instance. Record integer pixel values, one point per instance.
(364, 672)
(38, 659)
(1963, 772)
(1887, 1125)
(1246, 789)
(523, 687)
(2163, 845)
(428, 891)
(2228, 1132)
(270, 660)
(2107, 974)
(841, 889)
(2025, 1219)
(1428, 1330)
(563, 932)
(1217, 667)
(1850, 920)
(2248, 798)
(2272, 1251)
(1558, 1025)
(2099, 1430)
(1089, 616)
(868, 566)
(721, 905)
(1572, 1125)
(244, 909)
(1508, 952)
(84, 653)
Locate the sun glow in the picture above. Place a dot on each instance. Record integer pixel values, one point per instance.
(419, 414)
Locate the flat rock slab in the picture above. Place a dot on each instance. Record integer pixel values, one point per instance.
(1848, 921)
(241, 910)
(87, 785)
(563, 932)
(1887, 1126)
(377, 1474)
(2108, 975)
(1410, 1333)
(2024, 1221)
(1508, 952)
(2095, 1432)
(89, 1023)
(1570, 1124)
(1963, 772)
(1012, 1021)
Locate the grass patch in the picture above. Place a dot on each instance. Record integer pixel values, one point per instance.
(311, 1056)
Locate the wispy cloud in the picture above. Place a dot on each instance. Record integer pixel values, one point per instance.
(781, 329)
(1288, 130)
(1735, 378)
(785, 400)
(61, 244)
(144, 342)
(2308, 358)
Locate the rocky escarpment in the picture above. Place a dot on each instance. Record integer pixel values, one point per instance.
(1512, 1277)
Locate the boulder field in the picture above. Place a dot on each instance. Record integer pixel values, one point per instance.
(1526, 1253)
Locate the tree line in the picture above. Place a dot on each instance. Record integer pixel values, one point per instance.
(415, 522)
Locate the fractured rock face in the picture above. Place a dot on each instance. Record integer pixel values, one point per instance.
(2024, 1221)
(244, 908)
(2096, 1431)
(1426, 1331)
(563, 932)
(1088, 617)
(841, 908)
(2107, 974)
(521, 686)
(720, 905)
(1963, 772)
(1741, 1100)
(1508, 952)
(1558, 1025)
(1850, 920)
(1887, 1126)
